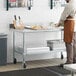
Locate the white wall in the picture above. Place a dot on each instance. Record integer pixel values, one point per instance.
(40, 13)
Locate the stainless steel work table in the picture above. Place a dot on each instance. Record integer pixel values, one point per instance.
(24, 48)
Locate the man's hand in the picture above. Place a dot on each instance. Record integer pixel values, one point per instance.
(57, 25)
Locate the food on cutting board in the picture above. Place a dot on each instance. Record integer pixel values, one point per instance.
(38, 27)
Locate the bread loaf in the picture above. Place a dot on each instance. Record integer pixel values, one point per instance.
(36, 27)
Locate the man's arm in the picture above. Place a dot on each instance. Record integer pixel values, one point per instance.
(64, 15)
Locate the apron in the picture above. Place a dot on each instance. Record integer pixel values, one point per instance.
(68, 30)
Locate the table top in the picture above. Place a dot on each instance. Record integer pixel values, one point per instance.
(70, 67)
(43, 30)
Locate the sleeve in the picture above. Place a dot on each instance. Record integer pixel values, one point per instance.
(65, 14)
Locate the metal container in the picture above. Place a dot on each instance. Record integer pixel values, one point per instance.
(55, 44)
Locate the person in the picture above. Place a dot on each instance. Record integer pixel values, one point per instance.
(69, 23)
